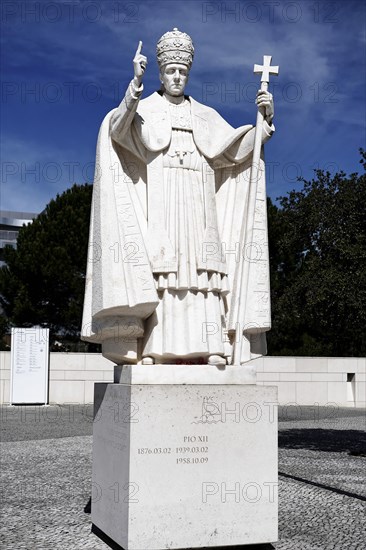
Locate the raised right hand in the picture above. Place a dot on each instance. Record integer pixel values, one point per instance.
(139, 65)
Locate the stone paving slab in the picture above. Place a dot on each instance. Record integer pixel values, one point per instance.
(46, 482)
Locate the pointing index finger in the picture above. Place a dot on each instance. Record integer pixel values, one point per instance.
(139, 48)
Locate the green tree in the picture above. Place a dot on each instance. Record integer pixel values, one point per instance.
(4, 327)
(43, 280)
(318, 254)
(317, 241)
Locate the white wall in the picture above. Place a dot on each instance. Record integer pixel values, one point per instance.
(309, 380)
(301, 380)
(71, 376)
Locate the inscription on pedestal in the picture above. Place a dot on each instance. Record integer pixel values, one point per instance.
(193, 454)
(185, 466)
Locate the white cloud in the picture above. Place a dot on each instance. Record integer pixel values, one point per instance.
(313, 56)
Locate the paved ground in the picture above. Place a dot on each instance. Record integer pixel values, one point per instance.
(46, 477)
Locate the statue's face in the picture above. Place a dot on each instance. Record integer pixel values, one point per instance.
(174, 77)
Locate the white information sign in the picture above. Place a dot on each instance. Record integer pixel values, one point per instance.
(29, 365)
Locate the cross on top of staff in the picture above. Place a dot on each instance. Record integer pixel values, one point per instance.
(265, 70)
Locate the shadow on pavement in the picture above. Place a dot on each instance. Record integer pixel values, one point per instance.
(322, 486)
(87, 507)
(107, 540)
(335, 441)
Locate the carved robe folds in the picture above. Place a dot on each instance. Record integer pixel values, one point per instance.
(169, 197)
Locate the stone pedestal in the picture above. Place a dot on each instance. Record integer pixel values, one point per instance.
(183, 465)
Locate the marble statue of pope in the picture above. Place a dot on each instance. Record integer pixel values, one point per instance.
(169, 196)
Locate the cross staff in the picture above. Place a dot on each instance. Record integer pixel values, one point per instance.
(242, 275)
(265, 70)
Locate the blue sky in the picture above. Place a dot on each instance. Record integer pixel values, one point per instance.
(65, 64)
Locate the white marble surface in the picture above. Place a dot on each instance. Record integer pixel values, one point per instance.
(185, 466)
(178, 263)
(184, 374)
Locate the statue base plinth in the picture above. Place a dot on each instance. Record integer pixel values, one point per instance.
(184, 464)
(184, 374)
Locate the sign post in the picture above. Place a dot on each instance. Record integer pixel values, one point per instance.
(29, 365)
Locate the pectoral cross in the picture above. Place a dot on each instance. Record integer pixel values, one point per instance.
(180, 154)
